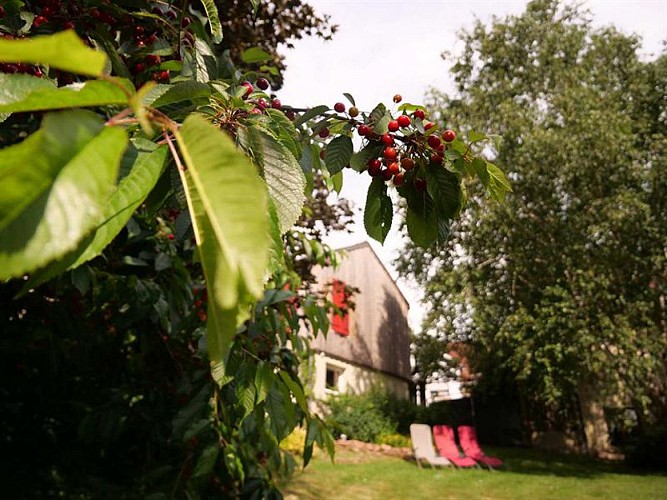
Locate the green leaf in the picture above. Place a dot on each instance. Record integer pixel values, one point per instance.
(478, 167)
(264, 378)
(28, 93)
(206, 461)
(284, 177)
(283, 130)
(255, 55)
(445, 190)
(132, 190)
(350, 98)
(182, 91)
(338, 154)
(295, 389)
(379, 210)
(213, 20)
(411, 107)
(63, 50)
(476, 136)
(359, 160)
(336, 181)
(311, 113)
(380, 119)
(56, 184)
(229, 205)
(421, 218)
(499, 186)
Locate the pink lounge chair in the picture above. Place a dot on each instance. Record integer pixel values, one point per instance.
(443, 435)
(468, 440)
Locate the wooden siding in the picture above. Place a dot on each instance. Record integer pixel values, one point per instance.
(379, 337)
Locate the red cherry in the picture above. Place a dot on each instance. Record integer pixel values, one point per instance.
(390, 153)
(276, 104)
(419, 113)
(436, 158)
(394, 168)
(255, 111)
(37, 72)
(39, 20)
(141, 44)
(398, 98)
(185, 22)
(387, 139)
(407, 164)
(156, 76)
(152, 59)
(170, 236)
(428, 125)
(2, 11)
(248, 88)
(433, 141)
(289, 114)
(393, 126)
(151, 39)
(374, 167)
(139, 67)
(386, 175)
(68, 25)
(404, 121)
(95, 13)
(339, 107)
(262, 103)
(399, 179)
(420, 184)
(363, 130)
(263, 83)
(324, 133)
(164, 75)
(139, 30)
(171, 14)
(448, 135)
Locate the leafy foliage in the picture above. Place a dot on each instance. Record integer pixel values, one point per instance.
(561, 286)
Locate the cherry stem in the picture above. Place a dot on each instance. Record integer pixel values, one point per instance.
(174, 153)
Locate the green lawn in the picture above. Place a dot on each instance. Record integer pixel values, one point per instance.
(527, 475)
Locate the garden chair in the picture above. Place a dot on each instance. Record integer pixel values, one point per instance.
(470, 446)
(446, 444)
(422, 445)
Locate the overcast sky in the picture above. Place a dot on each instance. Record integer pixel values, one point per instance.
(387, 47)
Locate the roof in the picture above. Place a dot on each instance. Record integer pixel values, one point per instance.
(365, 244)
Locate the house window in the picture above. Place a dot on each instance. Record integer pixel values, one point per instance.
(332, 377)
(340, 323)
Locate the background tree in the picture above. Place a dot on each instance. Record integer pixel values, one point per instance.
(560, 289)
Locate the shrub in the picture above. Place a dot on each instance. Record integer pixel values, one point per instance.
(395, 440)
(358, 417)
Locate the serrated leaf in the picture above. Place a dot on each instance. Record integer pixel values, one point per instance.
(229, 205)
(350, 98)
(132, 190)
(55, 186)
(411, 107)
(338, 154)
(284, 176)
(310, 114)
(283, 129)
(421, 218)
(499, 186)
(379, 211)
(380, 119)
(255, 55)
(478, 167)
(264, 379)
(63, 50)
(474, 136)
(206, 461)
(336, 181)
(359, 160)
(213, 20)
(28, 93)
(445, 190)
(179, 92)
(295, 389)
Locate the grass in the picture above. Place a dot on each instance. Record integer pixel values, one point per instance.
(527, 474)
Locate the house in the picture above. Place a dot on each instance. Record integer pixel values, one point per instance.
(369, 347)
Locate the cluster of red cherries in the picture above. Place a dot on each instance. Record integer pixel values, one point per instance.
(404, 146)
(141, 35)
